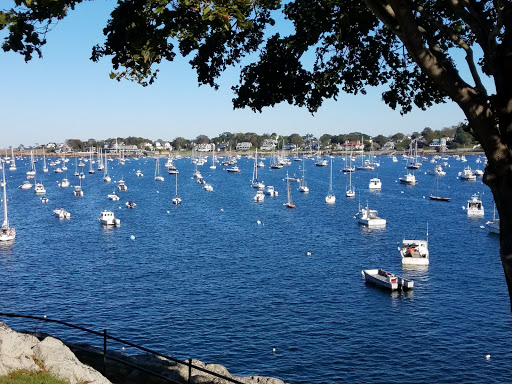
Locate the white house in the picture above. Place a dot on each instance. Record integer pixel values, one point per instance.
(268, 145)
(243, 146)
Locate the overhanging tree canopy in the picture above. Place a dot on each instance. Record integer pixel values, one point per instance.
(407, 46)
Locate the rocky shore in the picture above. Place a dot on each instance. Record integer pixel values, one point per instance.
(80, 363)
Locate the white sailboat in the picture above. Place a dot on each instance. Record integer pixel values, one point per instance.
(6, 233)
(12, 166)
(32, 172)
(45, 168)
(289, 203)
(330, 198)
(351, 191)
(106, 177)
(158, 175)
(255, 182)
(213, 166)
(303, 187)
(91, 171)
(176, 200)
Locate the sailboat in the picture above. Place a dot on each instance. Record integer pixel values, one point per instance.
(32, 172)
(289, 203)
(437, 197)
(12, 166)
(45, 168)
(494, 225)
(158, 176)
(6, 233)
(176, 200)
(101, 166)
(106, 177)
(213, 166)
(91, 171)
(303, 187)
(255, 183)
(330, 198)
(351, 191)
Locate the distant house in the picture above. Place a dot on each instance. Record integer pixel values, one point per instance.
(438, 144)
(222, 147)
(146, 145)
(204, 147)
(290, 147)
(243, 146)
(352, 146)
(268, 145)
(388, 146)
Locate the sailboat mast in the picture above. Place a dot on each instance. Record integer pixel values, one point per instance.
(5, 224)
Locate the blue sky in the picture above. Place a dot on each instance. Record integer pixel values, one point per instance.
(65, 95)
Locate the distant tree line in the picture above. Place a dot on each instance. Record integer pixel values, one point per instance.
(458, 137)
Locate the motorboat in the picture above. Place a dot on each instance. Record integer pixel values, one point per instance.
(408, 179)
(139, 173)
(414, 252)
(26, 185)
(113, 196)
(467, 174)
(474, 206)
(201, 181)
(61, 213)
(64, 183)
(386, 280)
(270, 191)
(322, 163)
(234, 169)
(208, 187)
(78, 192)
(44, 199)
(121, 185)
(130, 204)
(7, 233)
(107, 218)
(375, 184)
(368, 217)
(39, 189)
(259, 197)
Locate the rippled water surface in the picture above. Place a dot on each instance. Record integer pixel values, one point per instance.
(206, 280)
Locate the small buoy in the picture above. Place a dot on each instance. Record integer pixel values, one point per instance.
(119, 207)
(487, 357)
(423, 196)
(258, 222)
(308, 254)
(122, 349)
(157, 191)
(132, 237)
(222, 209)
(168, 212)
(274, 351)
(401, 191)
(44, 316)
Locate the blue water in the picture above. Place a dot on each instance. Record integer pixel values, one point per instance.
(204, 280)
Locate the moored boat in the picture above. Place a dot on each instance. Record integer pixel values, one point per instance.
(107, 218)
(386, 280)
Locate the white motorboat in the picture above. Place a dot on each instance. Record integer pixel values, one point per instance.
(139, 173)
(44, 199)
(375, 184)
(113, 196)
(208, 187)
(474, 206)
(369, 218)
(234, 169)
(408, 179)
(64, 183)
(58, 170)
(386, 280)
(270, 191)
(78, 192)
(121, 185)
(259, 197)
(322, 163)
(39, 189)
(61, 213)
(107, 218)
(26, 185)
(7, 233)
(130, 204)
(414, 252)
(467, 174)
(478, 172)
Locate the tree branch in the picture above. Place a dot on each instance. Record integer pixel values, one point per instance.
(384, 13)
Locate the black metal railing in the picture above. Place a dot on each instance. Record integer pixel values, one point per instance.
(107, 356)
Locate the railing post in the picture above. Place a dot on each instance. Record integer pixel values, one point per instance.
(189, 370)
(104, 351)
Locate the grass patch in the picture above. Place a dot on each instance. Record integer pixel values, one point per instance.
(23, 376)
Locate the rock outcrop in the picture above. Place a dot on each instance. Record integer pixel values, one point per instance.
(24, 351)
(73, 363)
